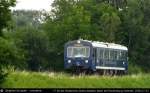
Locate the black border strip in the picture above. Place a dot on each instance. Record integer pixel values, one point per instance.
(57, 90)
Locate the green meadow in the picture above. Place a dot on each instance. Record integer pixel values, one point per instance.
(26, 79)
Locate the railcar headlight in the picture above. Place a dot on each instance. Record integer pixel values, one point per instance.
(69, 61)
(86, 61)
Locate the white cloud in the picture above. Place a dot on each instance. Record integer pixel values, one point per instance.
(33, 4)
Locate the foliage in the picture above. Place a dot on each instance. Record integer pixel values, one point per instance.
(5, 49)
(2, 75)
(9, 54)
(25, 18)
(5, 13)
(34, 46)
(135, 32)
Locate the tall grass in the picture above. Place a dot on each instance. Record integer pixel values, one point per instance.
(134, 69)
(62, 80)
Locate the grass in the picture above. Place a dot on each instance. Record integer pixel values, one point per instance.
(62, 80)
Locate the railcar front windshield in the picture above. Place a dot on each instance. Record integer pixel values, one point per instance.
(75, 52)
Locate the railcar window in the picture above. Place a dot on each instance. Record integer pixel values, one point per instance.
(111, 54)
(101, 52)
(115, 55)
(121, 55)
(98, 53)
(106, 54)
(118, 54)
(87, 51)
(69, 51)
(78, 52)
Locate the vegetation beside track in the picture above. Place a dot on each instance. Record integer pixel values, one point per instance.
(64, 80)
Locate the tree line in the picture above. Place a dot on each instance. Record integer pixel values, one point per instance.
(34, 40)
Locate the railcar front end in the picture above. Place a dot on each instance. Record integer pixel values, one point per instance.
(78, 54)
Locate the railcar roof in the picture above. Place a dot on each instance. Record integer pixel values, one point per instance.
(107, 45)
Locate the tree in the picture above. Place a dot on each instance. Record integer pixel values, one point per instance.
(23, 18)
(117, 3)
(34, 45)
(110, 22)
(5, 13)
(5, 16)
(9, 56)
(134, 31)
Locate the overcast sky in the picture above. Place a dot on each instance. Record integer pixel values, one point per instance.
(33, 4)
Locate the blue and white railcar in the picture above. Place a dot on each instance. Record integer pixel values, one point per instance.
(95, 56)
(110, 57)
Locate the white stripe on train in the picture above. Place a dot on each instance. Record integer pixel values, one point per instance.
(111, 68)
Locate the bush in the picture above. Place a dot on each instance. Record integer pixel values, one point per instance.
(2, 75)
(10, 54)
(34, 45)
